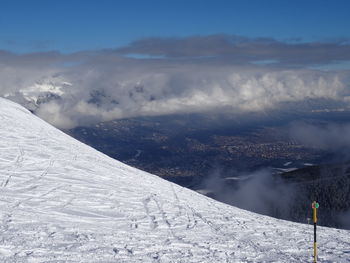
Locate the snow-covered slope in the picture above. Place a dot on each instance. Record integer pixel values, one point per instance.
(62, 201)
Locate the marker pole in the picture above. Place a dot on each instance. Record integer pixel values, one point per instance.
(315, 205)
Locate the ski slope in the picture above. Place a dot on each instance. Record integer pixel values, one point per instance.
(62, 201)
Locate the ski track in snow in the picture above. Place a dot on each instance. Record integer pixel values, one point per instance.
(62, 201)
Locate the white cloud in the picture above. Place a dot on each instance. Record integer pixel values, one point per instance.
(52, 112)
(101, 86)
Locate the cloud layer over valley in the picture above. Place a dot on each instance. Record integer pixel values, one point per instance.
(165, 76)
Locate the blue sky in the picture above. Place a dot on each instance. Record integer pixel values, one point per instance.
(68, 26)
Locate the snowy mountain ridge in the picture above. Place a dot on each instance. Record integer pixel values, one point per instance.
(62, 201)
(39, 93)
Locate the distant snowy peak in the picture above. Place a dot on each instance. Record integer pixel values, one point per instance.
(39, 93)
(48, 87)
(32, 97)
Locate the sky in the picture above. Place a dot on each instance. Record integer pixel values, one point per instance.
(77, 62)
(70, 26)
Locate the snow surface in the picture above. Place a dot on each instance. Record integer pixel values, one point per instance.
(62, 201)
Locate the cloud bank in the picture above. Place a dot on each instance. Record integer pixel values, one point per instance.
(165, 76)
(259, 191)
(242, 49)
(329, 136)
